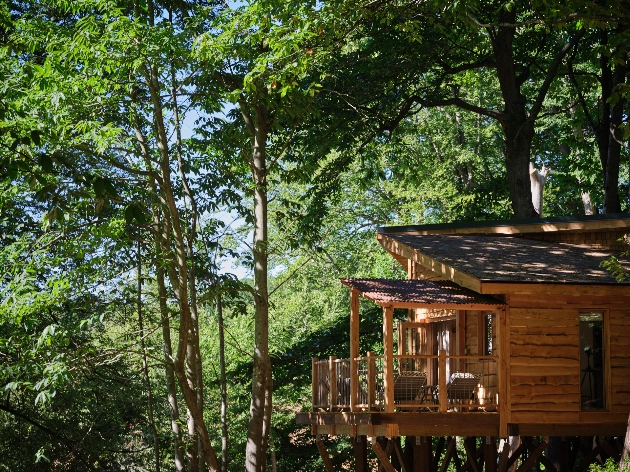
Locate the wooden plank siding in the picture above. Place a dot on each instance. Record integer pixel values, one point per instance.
(544, 359)
(544, 356)
(619, 322)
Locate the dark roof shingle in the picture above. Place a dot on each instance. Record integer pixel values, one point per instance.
(429, 292)
(513, 259)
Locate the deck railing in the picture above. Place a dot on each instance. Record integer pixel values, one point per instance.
(425, 383)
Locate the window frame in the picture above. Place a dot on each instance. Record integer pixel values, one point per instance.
(606, 354)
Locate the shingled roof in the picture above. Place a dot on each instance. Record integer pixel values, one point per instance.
(512, 259)
(419, 292)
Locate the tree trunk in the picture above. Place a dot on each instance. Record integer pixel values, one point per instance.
(179, 278)
(145, 366)
(625, 454)
(224, 427)
(613, 156)
(171, 388)
(518, 130)
(255, 459)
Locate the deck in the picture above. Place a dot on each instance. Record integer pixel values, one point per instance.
(415, 395)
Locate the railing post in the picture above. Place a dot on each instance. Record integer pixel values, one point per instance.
(442, 381)
(315, 393)
(371, 373)
(332, 375)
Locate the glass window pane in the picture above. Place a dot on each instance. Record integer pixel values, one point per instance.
(592, 387)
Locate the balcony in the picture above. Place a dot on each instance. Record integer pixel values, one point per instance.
(414, 383)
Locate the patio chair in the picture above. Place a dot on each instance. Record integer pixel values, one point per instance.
(462, 387)
(409, 386)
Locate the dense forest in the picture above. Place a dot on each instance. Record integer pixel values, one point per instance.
(148, 149)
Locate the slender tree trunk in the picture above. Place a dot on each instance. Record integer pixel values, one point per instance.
(171, 388)
(613, 157)
(145, 366)
(159, 228)
(255, 449)
(179, 278)
(224, 426)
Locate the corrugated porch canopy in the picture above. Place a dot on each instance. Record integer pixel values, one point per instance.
(421, 294)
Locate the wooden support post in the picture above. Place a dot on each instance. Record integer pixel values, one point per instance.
(371, 374)
(470, 446)
(359, 443)
(503, 372)
(354, 348)
(564, 455)
(450, 450)
(422, 454)
(442, 393)
(388, 357)
(461, 338)
(324, 453)
(533, 456)
(382, 457)
(332, 378)
(481, 333)
(315, 377)
(490, 454)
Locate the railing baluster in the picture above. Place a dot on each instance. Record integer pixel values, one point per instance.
(371, 371)
(332, 369)
(315, 392)
(442, 381)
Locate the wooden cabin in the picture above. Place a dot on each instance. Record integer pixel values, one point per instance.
(513, 329)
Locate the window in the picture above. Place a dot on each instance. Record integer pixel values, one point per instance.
(592, 388)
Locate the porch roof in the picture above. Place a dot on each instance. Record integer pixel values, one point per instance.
(421, 293)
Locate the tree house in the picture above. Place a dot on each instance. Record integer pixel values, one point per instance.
(513, 329)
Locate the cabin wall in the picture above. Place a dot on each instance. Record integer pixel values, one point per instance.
(544, 350)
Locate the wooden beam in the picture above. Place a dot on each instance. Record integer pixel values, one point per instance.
(471, 455)
(382, 457)
(516, 288)
(323, 418)
(324, 453)
(388, 358)
(438, 454)
(450, 450)
(511, 229)
(440, 424)
(608, 449)
(354, 347)
(441, 269)
(533, 456)
(401, 458)
(515, 455)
